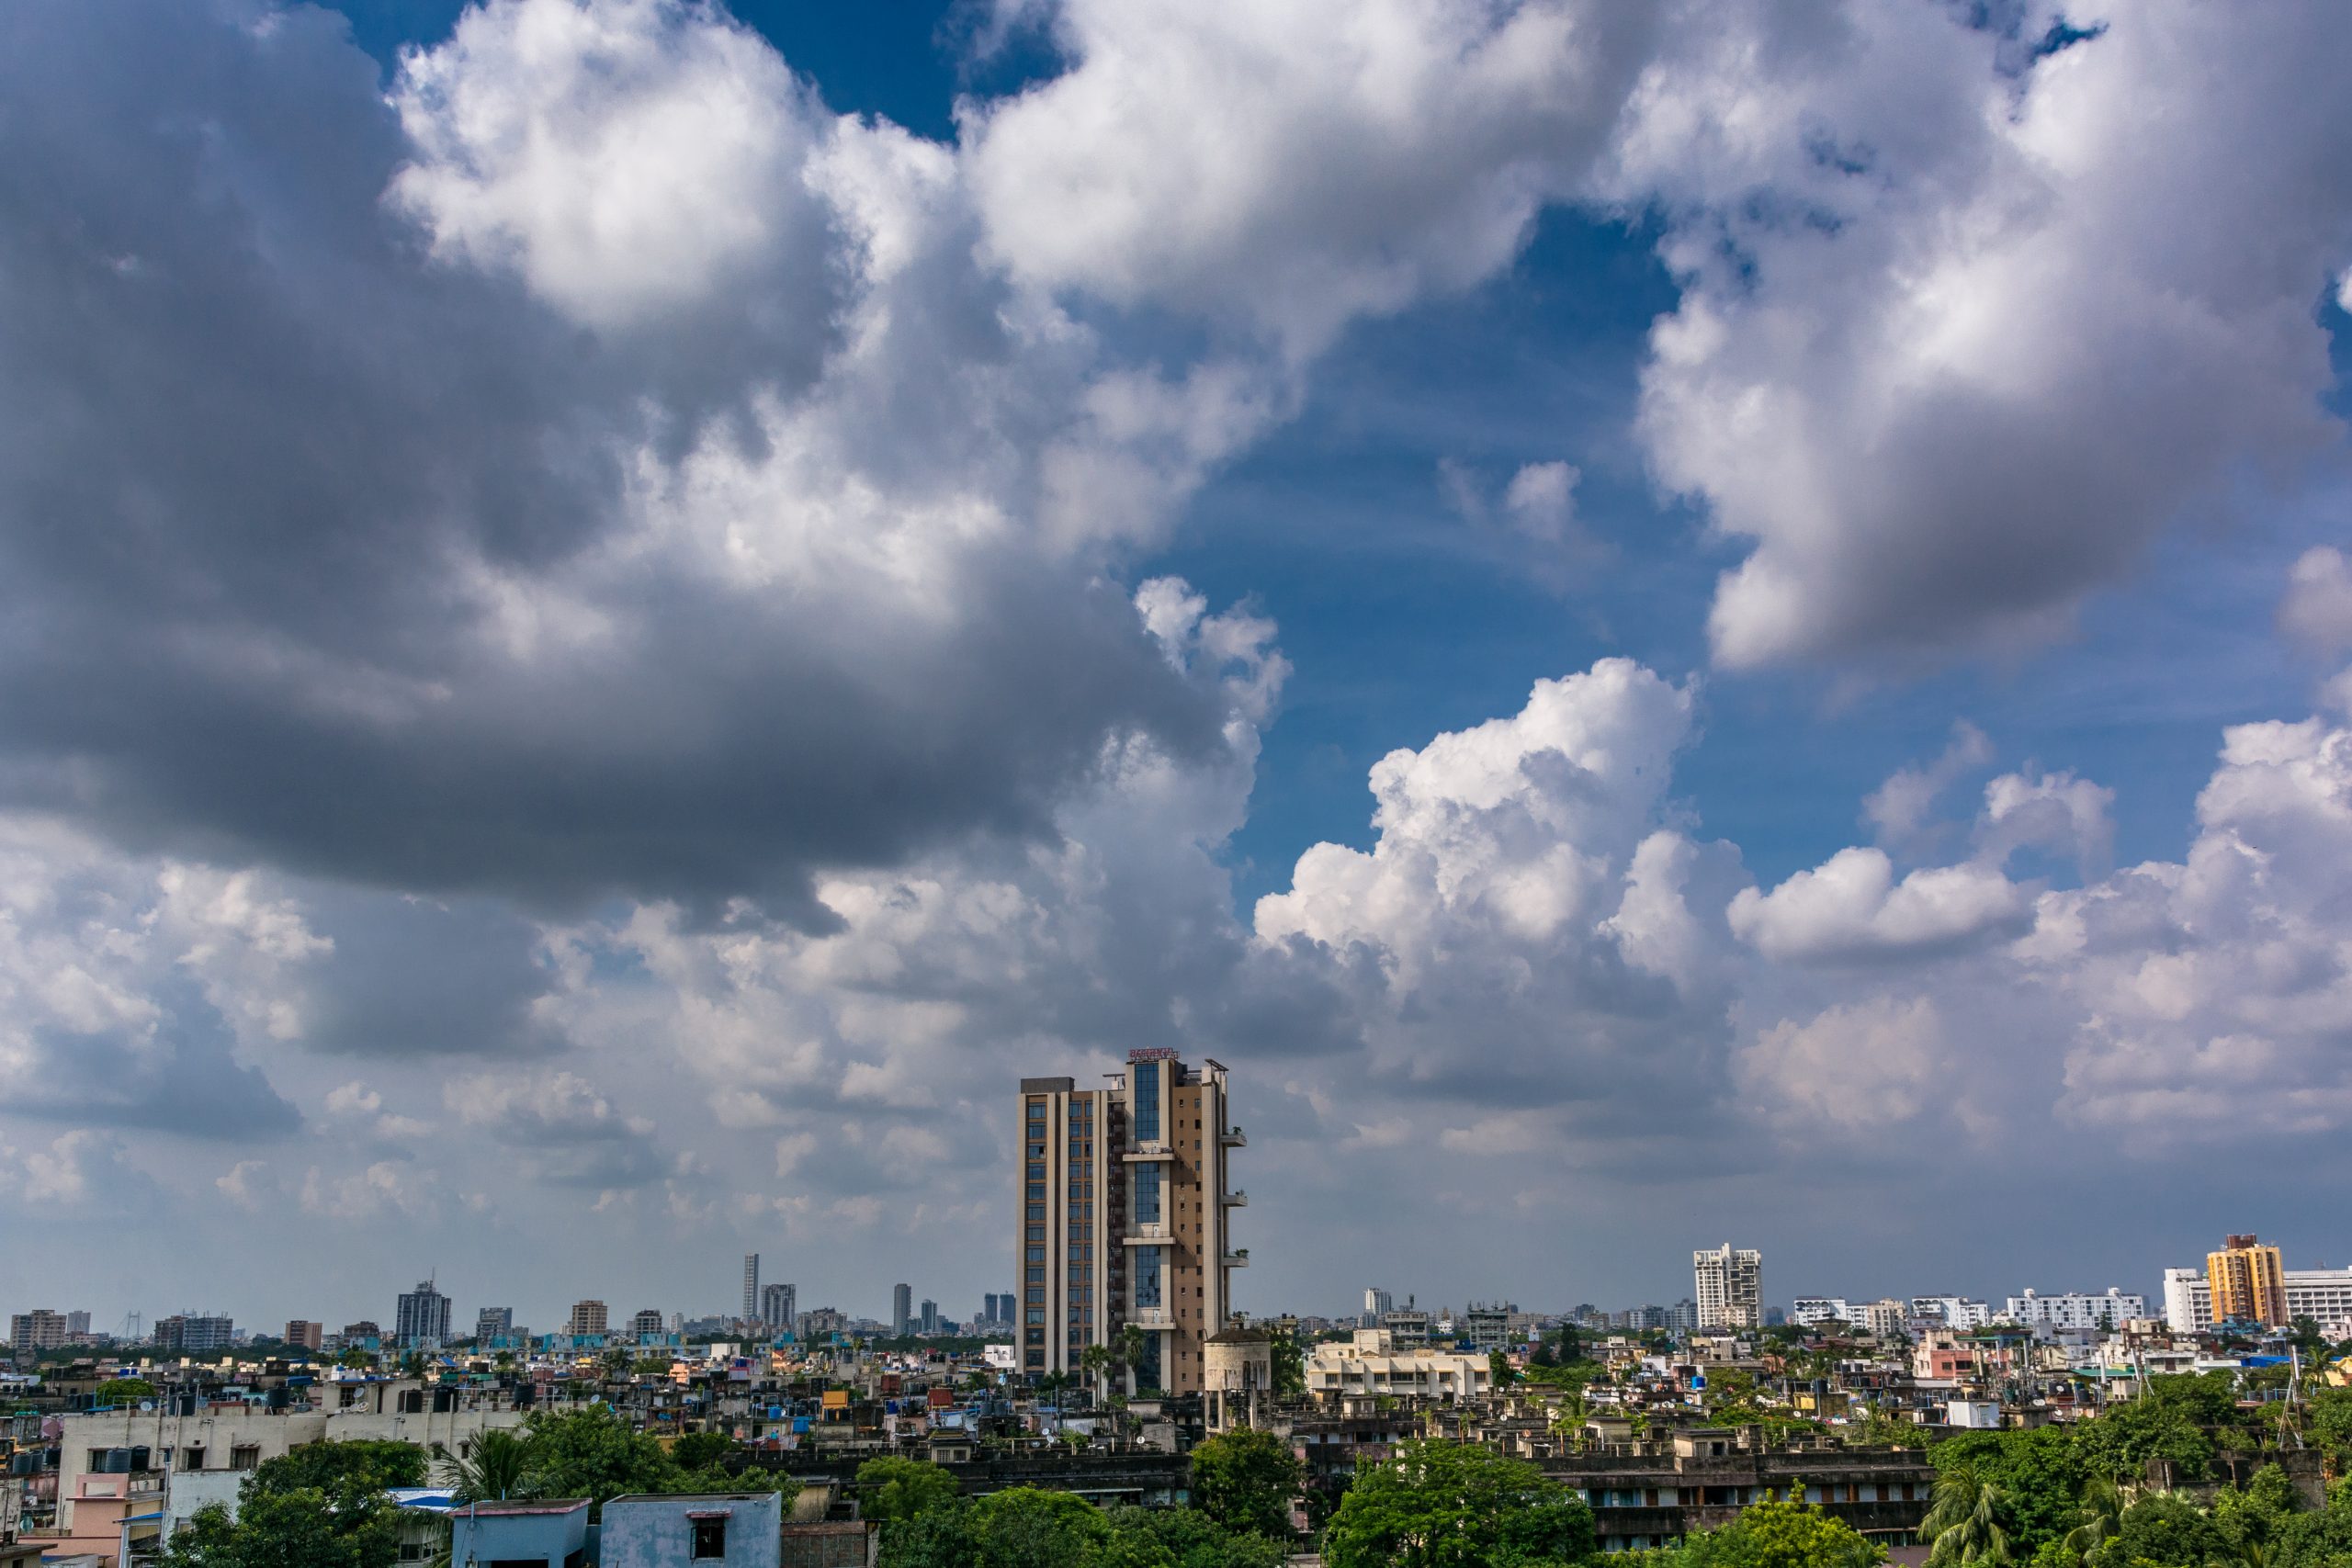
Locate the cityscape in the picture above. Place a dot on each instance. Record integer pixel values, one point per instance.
(1175, 784)
(1120, 1372)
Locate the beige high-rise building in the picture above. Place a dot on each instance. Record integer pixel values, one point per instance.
(2248, 1283)
(1730, 1288)
(587, 1317)
(1125, 1203)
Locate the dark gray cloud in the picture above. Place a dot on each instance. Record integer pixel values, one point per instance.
(268, 468)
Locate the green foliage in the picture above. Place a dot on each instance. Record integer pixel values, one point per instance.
(893, 1489)
(1499, 1368)
(1778, 1535)
(1564, 1374)
(1290, 1362)
(489, 1467)
(1881, 1427)
(594, 1453)
(1963, 1522)
(320, 1506)
(1177, 1538)
(2041, 1475)
(1439, 1505)
(1026, 1528)
(338, 1470)
(701, 1450)
(125, 1391)
(303, 1527)
(1245, 1479)
(2166, 1422)
(2165, 1530)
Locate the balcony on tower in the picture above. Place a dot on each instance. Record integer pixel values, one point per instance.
(1236, 1199)
(1233, 1138)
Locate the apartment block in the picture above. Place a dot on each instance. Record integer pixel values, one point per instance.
(2324, 1295)
(422, 1316)
(1124, 1207)
(40, 1329)
(2075, 1309)
(2247, 1282)
(194, 1332)
(779, 1305)
(1730, 1288)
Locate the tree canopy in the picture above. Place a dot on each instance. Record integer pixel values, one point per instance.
(1441, 1504)
(1245, 1479)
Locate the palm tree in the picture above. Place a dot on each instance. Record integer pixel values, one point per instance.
(1963, 1522)
(1095, 1361)
(2103, 1504)
(1126, 1353)
(489, 1467)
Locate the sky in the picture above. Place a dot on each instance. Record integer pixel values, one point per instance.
(1723, 621)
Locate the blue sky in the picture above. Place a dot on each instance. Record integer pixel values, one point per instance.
(628, 652)
(1404, 619)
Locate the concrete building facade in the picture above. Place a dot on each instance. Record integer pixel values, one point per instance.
(2247, 1283)
(1730, 1288)
(549, 1534)
(1371, 1363)
(2324, 1295)
(422, 1316)
(2075, 1309)
(735, 1530)
(1125, 1211)
(237, 1438)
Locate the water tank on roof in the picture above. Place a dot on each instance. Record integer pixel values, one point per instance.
(138, 1458)
(117, 1462)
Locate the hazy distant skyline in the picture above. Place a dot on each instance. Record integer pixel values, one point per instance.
(1661, 625)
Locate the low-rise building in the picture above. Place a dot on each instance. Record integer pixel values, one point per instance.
(733, 1529)
(1373, 1363)
(1650, 1494)
(549, 1534)
(176, 1438)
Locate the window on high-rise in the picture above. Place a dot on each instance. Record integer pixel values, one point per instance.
(1147, 1097)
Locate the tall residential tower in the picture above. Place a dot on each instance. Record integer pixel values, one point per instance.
(2247, 1282)
(1731, 1288)
(1125, 1202)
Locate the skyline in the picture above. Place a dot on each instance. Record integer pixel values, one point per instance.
(554, 1313)
(1664, 624)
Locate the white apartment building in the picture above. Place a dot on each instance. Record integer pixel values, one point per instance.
(1809, 1311)
(2074, 1309)
(1373, 1363)
(1952, 1312)
(237, 1438)
(1883, 1318)
(2324, 1295)
(1730, 1288)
